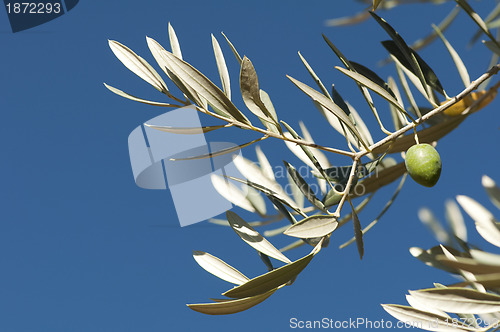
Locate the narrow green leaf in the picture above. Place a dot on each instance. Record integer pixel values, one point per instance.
(273, 279)
(492, 190)
(443, 26)
(379, 216)
(358, 233)
(157, 51)
(360, 124)
(398, 118)
(428, 75)
(174, 42)
(231, 306)
(203, 86)
(483, 257)
(255, 174)
(231, 192)
(256, 199)
(314, 226)
(318, 154)
(372, 86)
(456, 220)
(421, 306)
(187, 130)
(462, 70)
(249, 85)
(264, 164)
(372, 76)
(426, 320)
(297, 194)
(403, 48)
(134, 98)
(476, 18)
(429, 219)
(306, 150)
(253, 238)
(219, 268)
(492, 46)
(137, 65)
(337, 99)
(485, 222)
(429, 257)
(315, 77)
(376, 3)
(328, 104)
(282, 209)
(303, 186)
(293, 245)
(233, 49)
(221, 66)
(469, 264)
(402, 71)
(268, 192)
(269, 106)
(459, 300)
(363, 89)
(224, 151)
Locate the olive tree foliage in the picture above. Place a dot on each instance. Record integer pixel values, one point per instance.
(312, 215)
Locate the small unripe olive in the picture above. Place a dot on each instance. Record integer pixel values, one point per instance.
(423, 164)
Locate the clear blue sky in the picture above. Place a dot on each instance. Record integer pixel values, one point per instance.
(82, 248)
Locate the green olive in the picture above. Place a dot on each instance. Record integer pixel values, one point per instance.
(423, 164)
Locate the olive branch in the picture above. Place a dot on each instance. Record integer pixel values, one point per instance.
(314, 228)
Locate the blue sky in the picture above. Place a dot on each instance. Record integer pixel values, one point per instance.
(82, 248)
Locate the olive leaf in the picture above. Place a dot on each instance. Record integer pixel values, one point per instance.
(315, 77)
(226, 307)
(329, 105)
(303, 186)
(138, 65)
(134, 98)
(203, 86)
(314, 226)
(372, 76)
(174, 42)
(253, 238)
(492, 190)
(233, 49)
(379, 216)
(403, 52)
(157, 51)
(273, 279)
(231, 192)
(423, 318)
(429, 219)
(249, 85)
(462, 70)
(221, 152)
(358, 233)
(459, 300)
(221, 66)
(219, 268)
(486, 224)
(187, 130)
(455, 220)
(425, 70)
